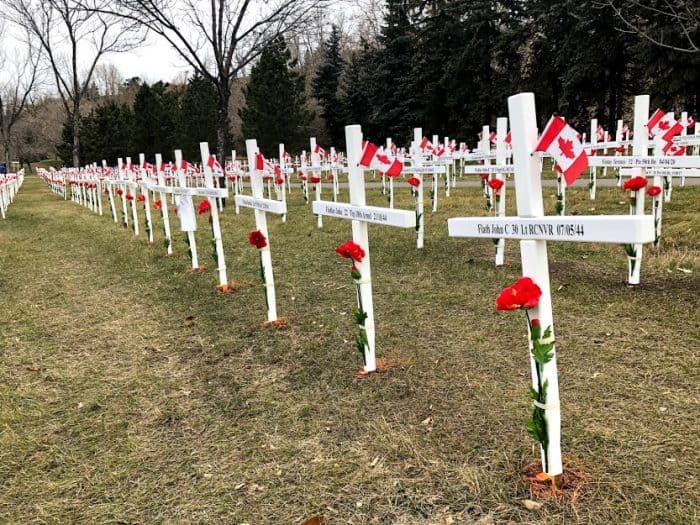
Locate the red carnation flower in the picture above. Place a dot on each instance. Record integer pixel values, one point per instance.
(157, 204)
(495, 184)
(654, 191)
(129, 197)
(535, 322)
(302, 177)
(279, 181)
(350, 250)
(315, 180)
(414, 181)
(330, 177)
(484, 176)
(523, 294)
(120, 191)
(257, 238)
(204, 207)
(141, 198)
(635, 183)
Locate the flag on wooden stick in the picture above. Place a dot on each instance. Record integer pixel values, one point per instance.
(561, 141)
(374, 159)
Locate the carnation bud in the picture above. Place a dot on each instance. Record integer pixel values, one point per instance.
(535, 322)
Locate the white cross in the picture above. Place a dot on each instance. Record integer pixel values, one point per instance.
(261, 206)
(361, 215)
(533, 230)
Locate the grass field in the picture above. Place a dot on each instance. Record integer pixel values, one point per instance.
(115, 408)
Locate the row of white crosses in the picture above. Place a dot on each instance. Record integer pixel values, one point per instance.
(9, 186)
(533, 229)
(656, 166)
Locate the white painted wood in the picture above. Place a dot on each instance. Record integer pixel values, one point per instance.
(266, 205)
(420, 204)
(373, 214)
(640, 150)
(256, 183)
(183, 183)
(215, 224)
(500, 202)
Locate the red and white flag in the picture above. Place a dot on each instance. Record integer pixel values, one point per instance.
(318, 150)
(426, 145)
(600, 133)
(439, 151)
(663, 125)
(509, 138)
(561, 142)
(262, 164)
(187, 166)
(492, 137)
(374, 159)
(674, 150)
(690, 124)
(214, 164)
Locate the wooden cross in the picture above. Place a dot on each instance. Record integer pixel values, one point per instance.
(261, 206)
(361, 215)
(533, 229)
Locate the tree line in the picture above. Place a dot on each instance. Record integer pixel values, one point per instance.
(447, 66)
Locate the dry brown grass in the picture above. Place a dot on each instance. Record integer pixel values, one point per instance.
(113, 409)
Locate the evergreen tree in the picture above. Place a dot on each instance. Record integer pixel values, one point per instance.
(275, 106)
(197, 117)
(357, 88)
(326, 88)
(155, 116)
(395, 99)
(107, 133)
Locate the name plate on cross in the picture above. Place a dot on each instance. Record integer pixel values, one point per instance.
(268, 205)
(488, 169)
(645, 162)
(616, 229)
(217, 193)
(373, 214)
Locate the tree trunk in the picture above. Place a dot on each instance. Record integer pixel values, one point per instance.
(76, 135)
(222, 125)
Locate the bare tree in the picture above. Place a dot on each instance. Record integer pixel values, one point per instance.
(218, 38)
(672, 24)
(74, 41)
(20, 67)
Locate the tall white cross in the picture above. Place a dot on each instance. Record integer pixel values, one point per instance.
(533, 229)
(361, 215)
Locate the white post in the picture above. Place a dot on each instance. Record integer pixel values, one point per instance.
(417, 158)
(684, 132)
(619, 137)
(134, 213)
(147, 202)
(215, 225)
(191, 241)
(164, 206)
(446, 145)
(256, 184)
(500, 204)
(434, 188)
(356, 183)
(125, 212)
(335, 173)
(640, 148)
(315, 169)
(283, 192)
(237, 182)
(594, 141)
(112, 207)
(535, 263)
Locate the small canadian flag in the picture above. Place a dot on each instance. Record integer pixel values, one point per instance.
(673, 150)
(374, 159)
(262, 164)
(509, 138)
(318, 150)
(690, 124)
(188, 166)
(561, 141)
(214, 164)
(439, 150)
(663, 125)
(426, 145)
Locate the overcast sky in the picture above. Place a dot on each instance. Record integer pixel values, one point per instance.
(152, 62)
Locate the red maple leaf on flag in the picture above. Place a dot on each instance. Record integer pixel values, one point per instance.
(566, 147)
(383, 159)
(664, 125)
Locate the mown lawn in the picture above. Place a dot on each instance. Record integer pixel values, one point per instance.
(115, 408)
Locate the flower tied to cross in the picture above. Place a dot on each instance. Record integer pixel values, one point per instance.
(525, 294)
(484, 176)
(351, 250)
(654, 191)
(279, 181)
(413, 181)
(496, 185)
(314, 179)
(129, 197)
(141, 198)
(157, 204)
(120, 191)
(633, 185)
(204, 207)
(257, 238)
